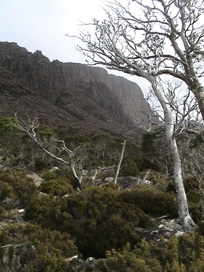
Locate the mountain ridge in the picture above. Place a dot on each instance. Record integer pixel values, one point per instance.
(69, 96)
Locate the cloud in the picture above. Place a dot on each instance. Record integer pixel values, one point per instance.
(41, 25)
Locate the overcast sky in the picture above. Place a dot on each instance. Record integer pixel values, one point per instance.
(42, 25)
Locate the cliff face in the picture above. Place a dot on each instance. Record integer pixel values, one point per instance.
(68, 96)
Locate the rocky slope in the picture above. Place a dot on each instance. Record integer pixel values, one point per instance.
(68, 96)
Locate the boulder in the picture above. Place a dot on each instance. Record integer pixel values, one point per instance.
(12, 203)
(166, 229)
(36, 179)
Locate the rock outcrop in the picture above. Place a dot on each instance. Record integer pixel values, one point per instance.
(68, 96)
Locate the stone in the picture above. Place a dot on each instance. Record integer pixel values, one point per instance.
(127, 182)
(90, 263)
(21, 211)
(179, 233)
(73, 258)
(42, 194)
(54, 168)
(166, 229)
(65, 196)
(36, 179)
(167, 234)
(12, 202)
(109, 179)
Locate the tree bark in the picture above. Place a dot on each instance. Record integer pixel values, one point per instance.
(120, 162)
(183, 212)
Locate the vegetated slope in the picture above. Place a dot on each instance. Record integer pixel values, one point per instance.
(69, 96)
(45, 222)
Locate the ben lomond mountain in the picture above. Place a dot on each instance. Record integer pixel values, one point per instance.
(68, 96)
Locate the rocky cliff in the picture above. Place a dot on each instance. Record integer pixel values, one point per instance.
(68, 96)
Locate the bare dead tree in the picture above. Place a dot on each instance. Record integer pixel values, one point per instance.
(163, 37)
(188, 131)
(191, 147)
(78, 172)
(165, 40)
(30, 129)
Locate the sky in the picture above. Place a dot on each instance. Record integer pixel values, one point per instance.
(43, 24)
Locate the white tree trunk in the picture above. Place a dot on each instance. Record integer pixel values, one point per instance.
(120, 162)
(183, 212)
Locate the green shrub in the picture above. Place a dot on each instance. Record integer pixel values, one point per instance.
(22, 187)
(101, 138)
(129, 168)
(97, 218)
(175, 255)
(71, 140)
(40, 164)
(44, 210)
(49, 175)
(8, 125)
(55, 187)
(152, 202)
(30, 248)
(160, 182)
(190, 183)
(45, 131)
(6, 190)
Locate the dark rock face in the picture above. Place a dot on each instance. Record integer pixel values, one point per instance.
(68, 96)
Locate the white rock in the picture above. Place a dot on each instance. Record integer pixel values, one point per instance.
(54, 169)
(65, 196)
(42, 194)
(36, 179)
(179, 233)
(109, 179)
(72, 258)
(90, 260)
(21, 210)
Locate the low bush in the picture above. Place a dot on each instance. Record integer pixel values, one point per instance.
(177, 254)
(56, 187)
(150, 201)
(97, 218)
(30, 248)
(129, 168)
(40, 164)
(17, 184)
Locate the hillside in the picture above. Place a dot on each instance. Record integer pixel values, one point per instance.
(68, 96)
(62, 206)
(48, 224)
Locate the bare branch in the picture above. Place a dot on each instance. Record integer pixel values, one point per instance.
(30, 131)
(120, 162)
